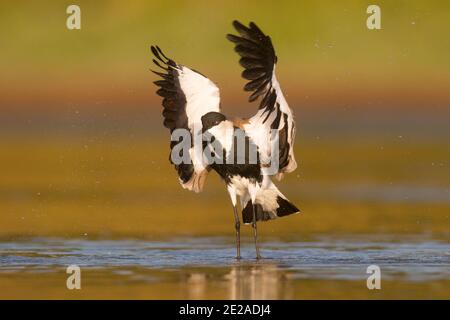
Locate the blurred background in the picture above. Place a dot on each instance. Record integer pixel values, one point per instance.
(84, 154)
(83, 149)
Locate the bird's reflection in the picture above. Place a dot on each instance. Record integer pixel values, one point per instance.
(241, 281)
(258, 281)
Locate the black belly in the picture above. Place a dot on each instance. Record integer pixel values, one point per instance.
(227, 171)
(243, 165)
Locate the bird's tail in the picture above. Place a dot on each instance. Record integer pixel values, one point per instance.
(270, 204)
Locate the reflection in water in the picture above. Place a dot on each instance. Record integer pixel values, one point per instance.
(196, 286)
(201, 268)
(257, 281)
(260, 281)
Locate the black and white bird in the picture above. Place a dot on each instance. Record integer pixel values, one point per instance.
(192, 102)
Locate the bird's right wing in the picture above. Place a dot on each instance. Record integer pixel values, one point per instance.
(258, 59)
(187, 96)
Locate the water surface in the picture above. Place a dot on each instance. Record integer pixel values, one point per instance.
(205, 267)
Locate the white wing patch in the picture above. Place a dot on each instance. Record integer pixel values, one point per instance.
(259, 59)
(187, 96)
(260, 125)
(202, 95)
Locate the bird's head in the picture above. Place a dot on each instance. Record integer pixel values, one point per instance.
(211, 119)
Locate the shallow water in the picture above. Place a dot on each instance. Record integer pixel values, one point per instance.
(205, 267)
(322, 259)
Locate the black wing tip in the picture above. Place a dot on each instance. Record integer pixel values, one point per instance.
(251, 26)
(155, 49)
(161, 57)
(157, 52)
(231, 37)
(257, 58)
(158, 57)
(240, 27)
(237, 24)
(159, 64)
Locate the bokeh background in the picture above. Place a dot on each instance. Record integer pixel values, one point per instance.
(83, 150)
(83, 153)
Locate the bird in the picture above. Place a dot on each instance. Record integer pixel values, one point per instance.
(191, 103)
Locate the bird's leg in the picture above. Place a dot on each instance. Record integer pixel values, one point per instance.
(237, 223)
(237, 226)
(255, 232)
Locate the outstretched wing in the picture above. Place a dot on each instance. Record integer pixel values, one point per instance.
(258, 59)
(187, 96)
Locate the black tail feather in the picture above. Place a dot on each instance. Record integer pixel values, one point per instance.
(285, 208)
(261, 215)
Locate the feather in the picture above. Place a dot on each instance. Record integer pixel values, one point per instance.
(252, 74)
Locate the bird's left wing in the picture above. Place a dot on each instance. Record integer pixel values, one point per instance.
(187, 96)
(258, 59)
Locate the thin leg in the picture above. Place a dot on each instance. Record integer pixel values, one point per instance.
(237, 223)
(237, 226)
(255, 233)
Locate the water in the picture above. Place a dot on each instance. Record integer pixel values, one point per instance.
(198, 268)
(320, 259)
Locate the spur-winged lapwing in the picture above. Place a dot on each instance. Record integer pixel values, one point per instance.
(192, 103)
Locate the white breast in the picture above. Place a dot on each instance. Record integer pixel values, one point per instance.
(223, 133)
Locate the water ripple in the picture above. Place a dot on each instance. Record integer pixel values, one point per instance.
(321, 259)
